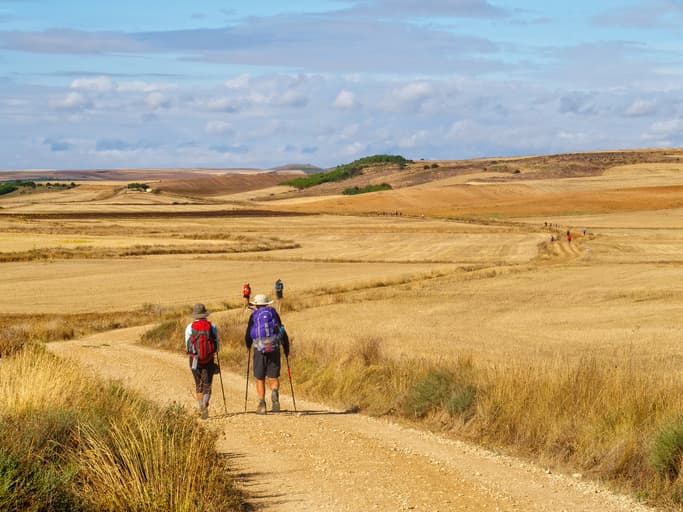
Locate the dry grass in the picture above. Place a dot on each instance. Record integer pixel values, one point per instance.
(69, 442)
(482, 329)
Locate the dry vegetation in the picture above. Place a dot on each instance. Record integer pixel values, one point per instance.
(481, 327)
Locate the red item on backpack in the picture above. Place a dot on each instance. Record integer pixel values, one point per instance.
(202, 340)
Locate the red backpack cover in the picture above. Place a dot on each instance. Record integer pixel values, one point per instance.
(202, 340)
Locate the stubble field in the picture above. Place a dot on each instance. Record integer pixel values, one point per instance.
(466, 272)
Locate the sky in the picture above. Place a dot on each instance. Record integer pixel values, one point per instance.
(209, 83)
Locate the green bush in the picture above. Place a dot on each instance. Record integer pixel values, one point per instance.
(667, 449)
(440, 389)
(346, 171)
(364, 190)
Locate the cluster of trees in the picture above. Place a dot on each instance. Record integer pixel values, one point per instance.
(346, 171)
(139, 186)
(10, 186)
(368, 188)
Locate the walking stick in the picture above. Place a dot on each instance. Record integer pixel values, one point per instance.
(291, 387)
(246, 391)
(220, 375)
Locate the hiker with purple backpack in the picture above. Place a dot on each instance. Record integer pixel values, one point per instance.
(201, 341)
(266, 333)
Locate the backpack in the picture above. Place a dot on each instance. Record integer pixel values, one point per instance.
(279, 285)
(246, 289)
(265, 329)
(202, 340)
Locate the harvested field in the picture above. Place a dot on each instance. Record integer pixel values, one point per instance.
(469, 271)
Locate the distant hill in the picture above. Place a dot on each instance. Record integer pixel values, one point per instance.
(307, 168)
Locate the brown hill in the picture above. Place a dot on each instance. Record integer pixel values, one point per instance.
(222, 185)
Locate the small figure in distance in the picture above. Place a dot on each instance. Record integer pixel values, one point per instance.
(246, 295)
(279, 291)
(201, 341)
(266, 333)
(569, 236)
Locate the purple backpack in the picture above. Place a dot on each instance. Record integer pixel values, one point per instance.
(265, 323)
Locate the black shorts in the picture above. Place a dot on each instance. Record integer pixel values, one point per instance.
(267, 364)
(278, 294)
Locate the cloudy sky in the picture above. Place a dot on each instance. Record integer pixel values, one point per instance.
(209, 83)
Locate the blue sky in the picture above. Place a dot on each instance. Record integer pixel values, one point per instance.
(207, 83)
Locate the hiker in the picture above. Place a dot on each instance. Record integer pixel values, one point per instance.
(246, 295)
(201, 341)
(279, 288)
(266, 333)
(569, 236)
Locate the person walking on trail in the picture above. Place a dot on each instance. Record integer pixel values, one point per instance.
(569, 236)
(279, 291)
(266, 333)
(201, 341)
(246, 295)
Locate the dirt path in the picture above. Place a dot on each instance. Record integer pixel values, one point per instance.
(321, 459)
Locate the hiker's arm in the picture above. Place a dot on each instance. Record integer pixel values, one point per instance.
(214, 329)
(285, 341)
(188, 333)
(247, 336)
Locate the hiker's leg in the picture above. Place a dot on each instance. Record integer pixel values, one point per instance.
(274, 383)
(261, 388)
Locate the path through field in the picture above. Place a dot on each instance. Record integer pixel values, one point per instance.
(321, 459)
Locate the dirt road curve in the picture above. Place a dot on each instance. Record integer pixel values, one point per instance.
(321, 459)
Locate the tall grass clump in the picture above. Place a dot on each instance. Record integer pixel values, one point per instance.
(72, 443)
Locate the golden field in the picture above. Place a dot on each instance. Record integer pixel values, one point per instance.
(468, 266)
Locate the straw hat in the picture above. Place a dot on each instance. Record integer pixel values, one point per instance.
(261, 300)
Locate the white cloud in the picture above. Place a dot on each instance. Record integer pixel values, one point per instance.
(641, 108)
(414, 92)
(345, 100)
(239, 82)
(219, 104)
(218, 128)
(353, 149)
(98, 84)
(72, 101)
(157, 100)
(667, 128)
(141, 86)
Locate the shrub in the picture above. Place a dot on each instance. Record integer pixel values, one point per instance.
(346, 171)
(667, 449)
(364, 190)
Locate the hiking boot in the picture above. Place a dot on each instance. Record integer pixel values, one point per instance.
(203, 412)
(261, 409)
(275, 398)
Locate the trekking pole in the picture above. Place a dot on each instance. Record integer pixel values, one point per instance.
(220, 375)
(246, 391)
(291, 387)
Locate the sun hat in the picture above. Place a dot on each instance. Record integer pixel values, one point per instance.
(199, 311)
(261, 300)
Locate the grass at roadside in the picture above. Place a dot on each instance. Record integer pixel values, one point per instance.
(611, 421)
(17, 330)
(68, 442)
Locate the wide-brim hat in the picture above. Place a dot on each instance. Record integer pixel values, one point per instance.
(199, 311)
(261, 300)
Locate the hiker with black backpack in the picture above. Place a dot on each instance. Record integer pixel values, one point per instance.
(279, 292)
(266, 333)
(201, 341)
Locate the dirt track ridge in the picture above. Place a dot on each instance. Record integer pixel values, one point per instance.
(324, 459)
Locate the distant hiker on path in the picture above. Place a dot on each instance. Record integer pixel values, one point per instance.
(279, 290)
(266, 333)
(569, 236)
(201, 341)
(246, 295)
